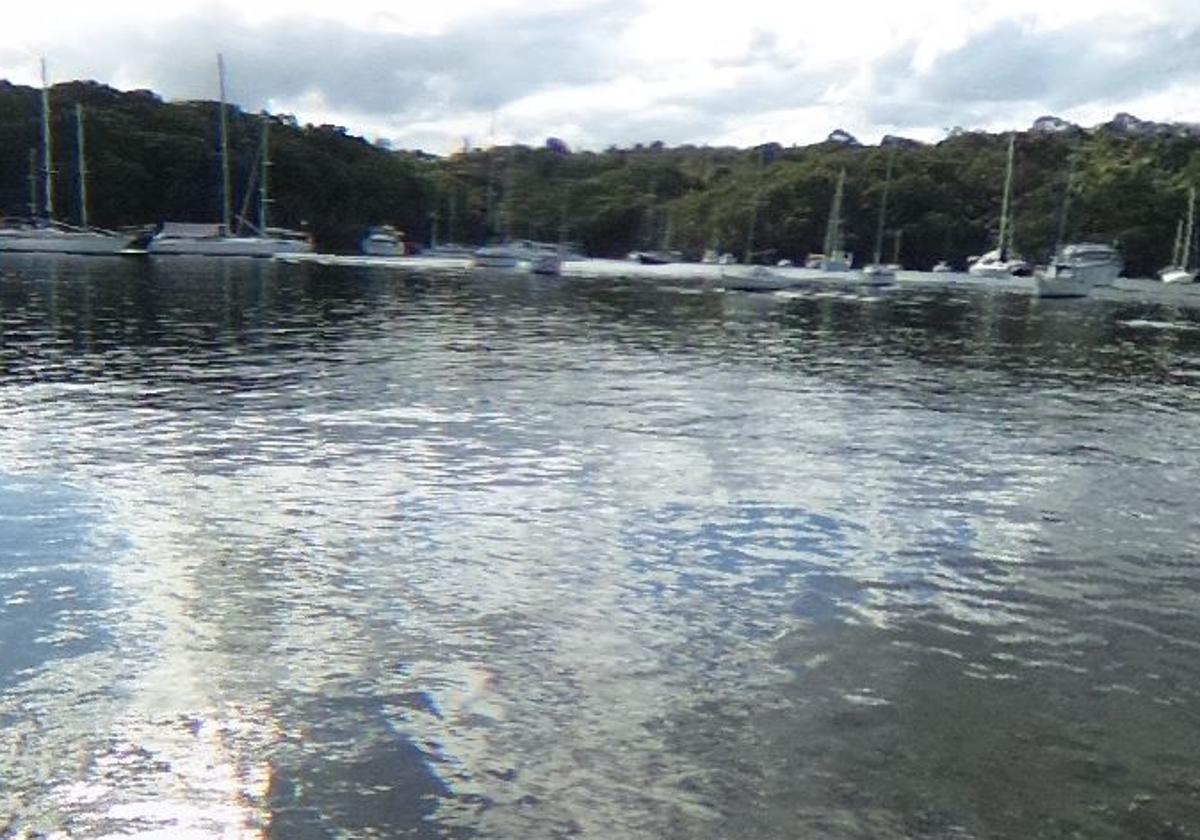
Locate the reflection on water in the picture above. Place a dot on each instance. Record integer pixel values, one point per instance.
(314, 552)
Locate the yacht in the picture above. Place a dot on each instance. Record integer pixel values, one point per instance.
(834, 257)
(223, 240)
(1002, 261)
(1178, 271)
(210, 240)
(1078, 268)
(46, 235)
(522, 255)
(879, 273)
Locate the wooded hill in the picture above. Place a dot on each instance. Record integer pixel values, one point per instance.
(151, 161)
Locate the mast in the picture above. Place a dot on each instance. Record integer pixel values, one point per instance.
(33, 188)
(47, 158)
(1004, 221)
(887, 181)
(1176, 249)
(224, 186)
(83, 173)
(263, 197)
(754, 211)
(1186, 249)
(1062, 216)
(896, 247)
(833, 233)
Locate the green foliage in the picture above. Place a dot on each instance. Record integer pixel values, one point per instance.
(151, 161)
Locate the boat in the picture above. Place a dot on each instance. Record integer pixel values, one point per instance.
(222, 240)
(523, 255)
(1078, 268)
(756, 278)
(877, 272)
(942, 267)
(656, 257)
(46, 235)
(383, 241)
(834, 257)
(1178, 271)
(714, 257)
(1002, 261)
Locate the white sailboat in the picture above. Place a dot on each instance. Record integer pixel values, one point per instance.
(1178, 271)
(47, 235)
(878, 273)
(219, 240)
(1002, 261)
(834, 257)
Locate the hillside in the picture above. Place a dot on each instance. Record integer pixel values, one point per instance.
(152, 160)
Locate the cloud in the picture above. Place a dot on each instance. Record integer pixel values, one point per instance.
(599, 72)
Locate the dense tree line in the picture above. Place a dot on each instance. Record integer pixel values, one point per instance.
(150, 161)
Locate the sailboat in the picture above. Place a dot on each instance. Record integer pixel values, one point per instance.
(834, 257)
(879, 273)
(1178, 271)
(220, 239)
(1002, 261)
(46, 235)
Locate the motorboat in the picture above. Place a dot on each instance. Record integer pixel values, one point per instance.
(383, 241)
(756, 278)
(521, 255)
(1078, 268)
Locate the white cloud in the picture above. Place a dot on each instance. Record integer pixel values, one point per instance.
(599, 72)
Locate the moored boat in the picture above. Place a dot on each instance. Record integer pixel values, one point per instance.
(1178, 271)
(1078, 268)
(522, 255)
(383, 241)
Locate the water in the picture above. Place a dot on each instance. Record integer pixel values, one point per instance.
(308, 552)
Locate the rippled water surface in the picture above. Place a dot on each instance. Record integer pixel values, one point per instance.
(312, 552)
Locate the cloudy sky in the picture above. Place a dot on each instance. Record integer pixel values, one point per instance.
(602, 72)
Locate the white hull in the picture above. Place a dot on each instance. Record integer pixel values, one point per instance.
(1177, 275)
(755, 279)
(1077, 269)
(51, 241)
(382, 248)
(879, 275)
(830, 262)
(229, 246)
(526, 258)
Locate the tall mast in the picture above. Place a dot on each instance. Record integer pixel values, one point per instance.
(887, 181)
(225, 196)
(263, 199)
(750, 233)
(33, 190)
(83, 196)
(1061, 238)
(1004, 222)
(1186, 250)
(1176, 250)
(46, 154)
(833, 233)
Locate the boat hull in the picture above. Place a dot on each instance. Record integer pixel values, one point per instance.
(1178, 275)
(63, 242)
(230, 246)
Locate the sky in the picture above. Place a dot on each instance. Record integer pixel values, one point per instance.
(598, 73)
